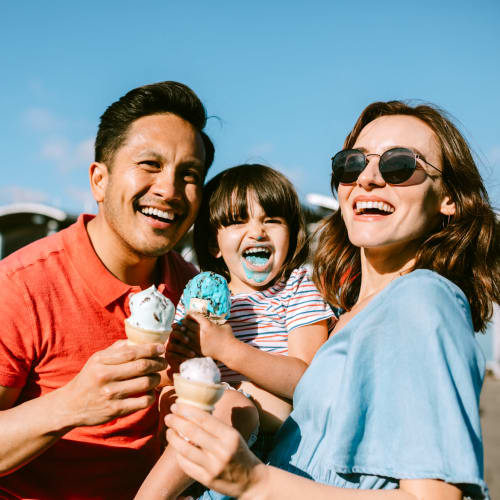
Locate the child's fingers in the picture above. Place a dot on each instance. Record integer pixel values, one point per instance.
(180, 349)
(192, 322)
(179, 337)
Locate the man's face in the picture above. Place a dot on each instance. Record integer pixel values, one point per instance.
(152, 190)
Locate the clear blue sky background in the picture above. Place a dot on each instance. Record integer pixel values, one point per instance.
(285, 78)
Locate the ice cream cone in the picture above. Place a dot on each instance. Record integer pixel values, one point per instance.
(136, 335)
(198, 305)
(200, 394)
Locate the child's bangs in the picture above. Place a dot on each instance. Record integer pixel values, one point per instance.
(232, 206)
(228, 206)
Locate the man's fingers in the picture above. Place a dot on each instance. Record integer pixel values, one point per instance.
(127, 388)
(123, 352)
(137, 368)
(133, 404)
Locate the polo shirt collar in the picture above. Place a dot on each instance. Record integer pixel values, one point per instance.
(105, 287)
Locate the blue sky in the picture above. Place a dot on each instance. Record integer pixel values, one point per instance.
(285, 79)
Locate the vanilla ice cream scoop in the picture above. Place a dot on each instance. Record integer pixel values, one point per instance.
(151, 310)
(200, 369)
(208, 293)
(151, 316)
(198, 384)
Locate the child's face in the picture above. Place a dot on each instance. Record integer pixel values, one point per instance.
(254, 250)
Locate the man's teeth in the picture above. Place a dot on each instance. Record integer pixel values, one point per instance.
(361, 206)
(157, 213)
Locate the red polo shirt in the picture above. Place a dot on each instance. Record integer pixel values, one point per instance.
(59, 305)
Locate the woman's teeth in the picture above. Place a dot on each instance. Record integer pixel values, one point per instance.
(373, 207)
(155, 212)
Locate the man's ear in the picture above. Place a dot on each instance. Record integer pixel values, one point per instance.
(447, 206)
(99, 177)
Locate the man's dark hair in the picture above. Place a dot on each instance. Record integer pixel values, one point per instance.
(153, 99)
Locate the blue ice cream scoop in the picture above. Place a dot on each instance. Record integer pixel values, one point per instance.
(208, 294)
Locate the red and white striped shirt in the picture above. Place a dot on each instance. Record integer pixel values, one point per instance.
(264, 318)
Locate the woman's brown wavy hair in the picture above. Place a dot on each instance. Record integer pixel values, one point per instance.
(225, 200)
(465, 248)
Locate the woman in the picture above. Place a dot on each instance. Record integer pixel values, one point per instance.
(390, 401)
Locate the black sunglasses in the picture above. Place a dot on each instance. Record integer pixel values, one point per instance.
(396, 165)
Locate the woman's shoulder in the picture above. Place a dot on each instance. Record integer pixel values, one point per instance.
(425, 301)
(428, 286)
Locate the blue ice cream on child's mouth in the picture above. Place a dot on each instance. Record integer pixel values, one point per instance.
(257, 260)
(257, 276)
(213, 289)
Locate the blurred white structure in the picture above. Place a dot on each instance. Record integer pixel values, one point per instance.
(323, 202)
(22, 223)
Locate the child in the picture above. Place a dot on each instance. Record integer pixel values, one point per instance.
(250, 229)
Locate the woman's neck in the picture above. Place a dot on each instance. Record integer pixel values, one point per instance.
(379, 268)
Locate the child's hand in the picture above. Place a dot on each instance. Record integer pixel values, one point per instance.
(178, 348)
(206, 337)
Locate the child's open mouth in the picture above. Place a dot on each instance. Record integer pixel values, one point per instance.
(257, 257)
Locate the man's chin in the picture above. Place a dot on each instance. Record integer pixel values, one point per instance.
(155, 252)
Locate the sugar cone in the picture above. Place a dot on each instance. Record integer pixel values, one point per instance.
(199, 394)
(201, 306)
(138, 335)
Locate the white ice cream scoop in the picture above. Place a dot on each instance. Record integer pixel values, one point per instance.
(198, 384)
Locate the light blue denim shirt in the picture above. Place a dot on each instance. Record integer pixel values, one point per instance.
(393, 395)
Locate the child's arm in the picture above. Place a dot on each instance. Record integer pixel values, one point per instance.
(274, 373)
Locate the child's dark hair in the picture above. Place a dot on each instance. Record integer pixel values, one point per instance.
(225, 200)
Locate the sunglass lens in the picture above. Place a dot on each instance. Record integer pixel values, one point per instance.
(347, 165)
(397, 165)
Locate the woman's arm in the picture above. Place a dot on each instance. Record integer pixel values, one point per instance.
(216, 455)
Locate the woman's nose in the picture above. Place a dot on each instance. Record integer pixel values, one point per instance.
(371, 175)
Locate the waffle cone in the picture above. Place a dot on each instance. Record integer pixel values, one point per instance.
(199, 394)
(136, 335)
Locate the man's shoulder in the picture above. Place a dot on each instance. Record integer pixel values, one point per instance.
(33, 254)
(39, 259)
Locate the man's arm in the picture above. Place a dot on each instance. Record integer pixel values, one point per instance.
(105, 389)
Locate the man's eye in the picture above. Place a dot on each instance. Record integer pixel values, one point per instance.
(192, 177)
(151, 164)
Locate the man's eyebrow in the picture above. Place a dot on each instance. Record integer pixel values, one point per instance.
(150, 153)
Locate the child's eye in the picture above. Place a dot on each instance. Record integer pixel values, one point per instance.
(275, 220)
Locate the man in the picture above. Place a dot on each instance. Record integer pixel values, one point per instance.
(78, 416)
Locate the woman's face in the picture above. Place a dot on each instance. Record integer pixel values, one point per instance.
(398, 215)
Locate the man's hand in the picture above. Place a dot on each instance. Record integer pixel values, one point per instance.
(114, 382)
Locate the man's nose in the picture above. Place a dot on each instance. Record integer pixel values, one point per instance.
(371, 175)
(167, 185)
